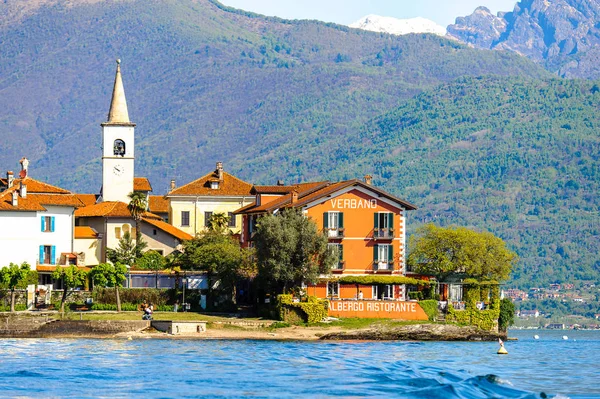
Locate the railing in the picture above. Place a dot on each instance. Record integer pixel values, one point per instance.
(335, 232)
(339, 265)
(383, 266)
(383, 234)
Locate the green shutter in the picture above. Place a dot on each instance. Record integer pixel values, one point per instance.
(341, 220)
(52, 224)
(341, 250)
(376, 220)
(325, 220)
(53, 255)
(390, 254)
(390, 220)
(41, 254)
(43, 224)
(375, 254)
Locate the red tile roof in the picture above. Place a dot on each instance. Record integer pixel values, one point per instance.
(170, 229)
(230, 185)
(87, 199)
(158, 204)
(38, 194)
(110, 209)
(141, 184)
(85, 232)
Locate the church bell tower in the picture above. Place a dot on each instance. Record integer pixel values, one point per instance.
(117, 146)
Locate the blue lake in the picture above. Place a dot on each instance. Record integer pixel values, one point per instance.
(202, 368)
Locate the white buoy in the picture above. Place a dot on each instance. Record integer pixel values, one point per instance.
(565, 337)
(502, 350)
(536, 336)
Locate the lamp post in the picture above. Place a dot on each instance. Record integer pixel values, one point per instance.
(128, 276)
(183, 300)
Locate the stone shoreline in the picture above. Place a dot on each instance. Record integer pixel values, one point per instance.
(138, 329)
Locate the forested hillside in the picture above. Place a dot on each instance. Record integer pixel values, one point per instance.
(472, 137)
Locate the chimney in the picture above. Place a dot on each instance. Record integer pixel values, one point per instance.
(294, 196)
(24, 165)
(10, 178)
(368, 179)
(15, 199)
(172, 185)
(23, 190)
(220, 170)
(280, 182)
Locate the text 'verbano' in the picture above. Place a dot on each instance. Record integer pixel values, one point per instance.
(353, 203)
(372, 306)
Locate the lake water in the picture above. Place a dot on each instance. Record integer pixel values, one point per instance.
(37, 368)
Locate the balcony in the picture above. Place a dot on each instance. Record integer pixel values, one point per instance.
(383, 234)
(383, 267)
(335, 233)
(338, 267)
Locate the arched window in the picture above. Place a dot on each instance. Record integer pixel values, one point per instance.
(119, 147)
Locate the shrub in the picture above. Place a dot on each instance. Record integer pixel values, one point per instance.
(507, 314)
(312, 311)
(430, 307)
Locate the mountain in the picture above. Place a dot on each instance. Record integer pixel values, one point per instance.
(472, 137)
(561, 35)
(396, 26)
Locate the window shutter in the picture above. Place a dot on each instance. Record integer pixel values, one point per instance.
(53, 255)
(52, 224)
(390, 220)
(375, 253)
(341, 250)
(325, 220)
(376, 220)
(341, 220)
(390, 254)
(42, 252)
(43, 224)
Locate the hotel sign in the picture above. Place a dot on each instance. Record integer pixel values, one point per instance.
(377, 309)
(353, 203)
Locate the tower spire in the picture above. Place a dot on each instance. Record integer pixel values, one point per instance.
(118, 105)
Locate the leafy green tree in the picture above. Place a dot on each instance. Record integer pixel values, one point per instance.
(137, 207)
(221, 257)
(71, 277)
(218, 222)
(441, 251)
(290, 251)
(110, 275)
(127, 251)
(152, 260)
(15, 276)
(507, 314)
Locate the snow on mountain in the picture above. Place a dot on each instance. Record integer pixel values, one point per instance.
(396, 26)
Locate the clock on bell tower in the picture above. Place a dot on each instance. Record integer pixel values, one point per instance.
(117, 146)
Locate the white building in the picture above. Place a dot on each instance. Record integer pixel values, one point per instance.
(36, 221)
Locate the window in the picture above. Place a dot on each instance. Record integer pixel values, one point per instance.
(185, 218)
(383, 256)
(207, 216)
(231, 219)
(47, 224)
(383, 225)
(334, 223)
(383, 292)
(119, 148)
(118, 233)
(154, 232)
(339, 250)
(214, 185)
(47, 255)
(333, 289)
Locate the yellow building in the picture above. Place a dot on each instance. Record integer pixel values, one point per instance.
(192, 205)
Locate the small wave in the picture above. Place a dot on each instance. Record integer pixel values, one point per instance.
(25, 373)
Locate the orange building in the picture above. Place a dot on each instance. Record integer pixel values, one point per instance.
(366, 224)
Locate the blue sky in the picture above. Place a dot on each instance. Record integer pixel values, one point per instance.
(347, 11)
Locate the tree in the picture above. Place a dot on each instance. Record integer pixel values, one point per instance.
(290, 251)
(15, 276)
(71, 277)
(110, 275)
(507, 314)
(137, 207)
(127, 251)
(221, 257)
(152, 260)
(440, 252)
(218, 222)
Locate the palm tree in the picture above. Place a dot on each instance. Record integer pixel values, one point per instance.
(137, 207)
(218, 222)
